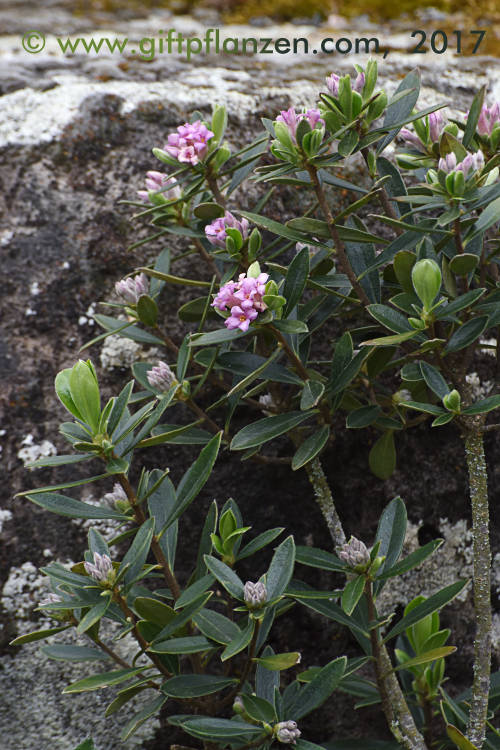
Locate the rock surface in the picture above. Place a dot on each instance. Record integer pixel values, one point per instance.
(75, 138)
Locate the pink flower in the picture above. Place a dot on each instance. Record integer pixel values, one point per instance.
(436, 123)
(156, 181)
(216, 231)
(332, 83)
(488, 119)
(291, 119)
(243, 298)
(241, 316)
(412, 139)
(470, 163)
(190, 144)
(359, 83)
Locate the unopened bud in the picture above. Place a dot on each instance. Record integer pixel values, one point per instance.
(238, 706)
(101, 569)
(355, 553)
(287, 732)
(117, 498)
(255, 594)
(426, 278)
(129, 290)
(452, 401)
(161, 377)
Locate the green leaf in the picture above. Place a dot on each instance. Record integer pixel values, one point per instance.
(262, 430)
(66, 652)
(63, 390)
(153, 610)
(190, 645)
(94, 614)
(278, 662)
(67, 506)
(465, 300)
(362, 417)
(391, 532)
(311, 447)
(463, 264)
(216, 626)
(413, 560)
(394, 340)
(147, 310)
(382, 457)
(85, 392)
(433, 604)
(195, 685)
(352, 593)
(422, 406)
(295, 280)
(225, 575)
(466, 334)
(473, 117)
(459, 739)
(175, 434)
(259, 542)
(428, 656)
(86, 745)
(483, 406)
(311, 394)
(240, 642)
(290, 326)
(281, 568)
(401, 109)
(391, 319)
(128, 330)
(195, 478)
(434, 379)
(107, 679)
(489, 216)
(136, 555)
(182, 617)
(151, 708)
(194, 591)
(37, 635)
(318, 558)
(178, 280)
(259, 709)
(222, 336)
(208, 211)
(243, 363)
(222, 730)
(319, 689)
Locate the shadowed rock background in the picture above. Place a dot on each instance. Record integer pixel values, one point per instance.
(76, 134)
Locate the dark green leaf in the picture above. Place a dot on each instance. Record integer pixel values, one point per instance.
(266, 429)
(195, 685)
(319, 689)
(67, 506)
(433, 604)
(281, 568)
(311, 447)
(382, 458)
(106, 679)
(295, 279)
(466, 334)
(66, 652)
(225, 575)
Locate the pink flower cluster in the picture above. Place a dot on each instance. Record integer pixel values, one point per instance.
(291, 119)
(436, 125)
(216, 231)
(333, 81)
(471, 163)
(190, 143)
(157, 181)
(243, 298)
(488, 119)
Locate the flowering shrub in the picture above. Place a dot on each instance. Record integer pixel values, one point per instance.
(405, 314)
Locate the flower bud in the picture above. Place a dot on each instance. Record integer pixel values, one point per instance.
(129, 290)
(161, 377)
(426, 278)
(101, 570)
(50, 599)
(332, 83)
(287, 732)
(238, 706)
(117, 498)
(452, 401)
(355, 553)
(255, 594)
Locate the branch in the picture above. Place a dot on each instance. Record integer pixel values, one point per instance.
(478, 486)
(339, 245)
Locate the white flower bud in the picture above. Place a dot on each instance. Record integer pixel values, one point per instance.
(354, 553)
(161, 377)
(255, 594)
